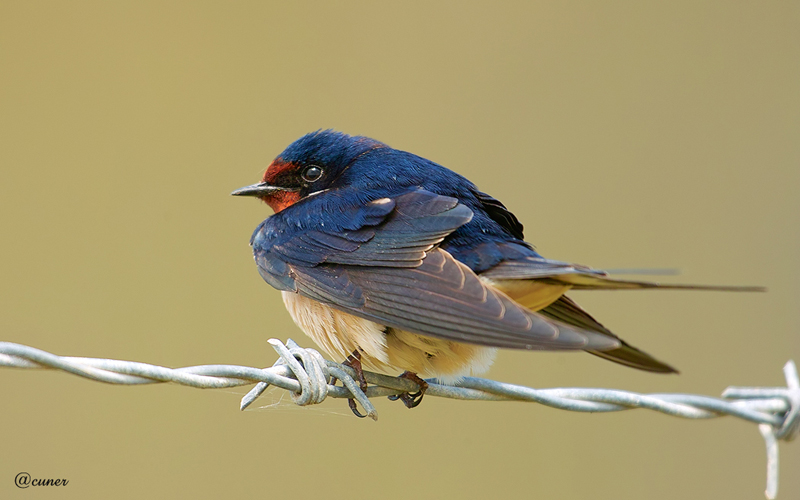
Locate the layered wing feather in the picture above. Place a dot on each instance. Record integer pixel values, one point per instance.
(389, 270)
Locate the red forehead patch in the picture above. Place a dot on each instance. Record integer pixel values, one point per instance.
(279, 200)
(275, 169)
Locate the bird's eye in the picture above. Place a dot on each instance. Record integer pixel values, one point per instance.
(312, 173)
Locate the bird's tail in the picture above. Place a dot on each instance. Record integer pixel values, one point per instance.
(630, 356)
(567, 311)
(587, 281)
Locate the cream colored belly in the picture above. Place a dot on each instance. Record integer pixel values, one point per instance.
(385, 349)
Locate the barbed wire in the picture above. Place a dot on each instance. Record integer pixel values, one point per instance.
(308, 376)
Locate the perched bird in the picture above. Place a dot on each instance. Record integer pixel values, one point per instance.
(397, 263)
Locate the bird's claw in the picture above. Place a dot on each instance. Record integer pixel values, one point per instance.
(354, 362)
(411, 399)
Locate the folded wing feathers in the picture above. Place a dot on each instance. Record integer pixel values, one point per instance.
(388, 269)
(444, 298)
(533, 267)
(420, 221)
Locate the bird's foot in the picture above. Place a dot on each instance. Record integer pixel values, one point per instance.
(412, 399)
(354, 362)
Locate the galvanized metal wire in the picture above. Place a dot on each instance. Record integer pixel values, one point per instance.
(307, 375)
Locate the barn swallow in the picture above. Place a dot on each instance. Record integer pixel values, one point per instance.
(396, 263)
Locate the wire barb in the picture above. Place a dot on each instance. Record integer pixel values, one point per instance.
(307, 375)
(787, 430)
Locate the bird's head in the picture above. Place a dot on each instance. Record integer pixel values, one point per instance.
(309, 165)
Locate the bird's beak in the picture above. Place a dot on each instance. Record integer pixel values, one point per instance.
(260, 189)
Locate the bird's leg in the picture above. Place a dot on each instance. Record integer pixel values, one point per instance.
(354, 362)
(412, 399)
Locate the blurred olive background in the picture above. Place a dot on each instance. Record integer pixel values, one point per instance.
(622, 135)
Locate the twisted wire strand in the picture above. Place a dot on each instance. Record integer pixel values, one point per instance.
(308, 376)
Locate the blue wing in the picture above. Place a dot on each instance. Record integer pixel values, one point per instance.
(380, 260)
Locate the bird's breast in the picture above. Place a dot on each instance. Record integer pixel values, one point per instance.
(339, 334)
